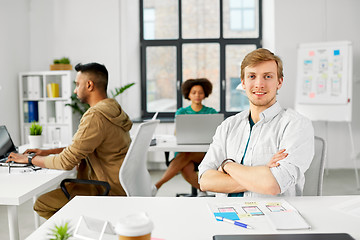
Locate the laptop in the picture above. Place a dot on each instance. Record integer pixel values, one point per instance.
(196, 128)
(307, 236)
(6, 147)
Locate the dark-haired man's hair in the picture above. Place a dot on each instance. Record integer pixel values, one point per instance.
(98, 72)
(203, 82)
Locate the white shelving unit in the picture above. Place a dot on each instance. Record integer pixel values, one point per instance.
(53, 115)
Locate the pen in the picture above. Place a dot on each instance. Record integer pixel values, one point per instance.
(237, 223)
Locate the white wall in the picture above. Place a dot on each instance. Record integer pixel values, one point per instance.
(14, 55)
(90, 31)
(316, 21)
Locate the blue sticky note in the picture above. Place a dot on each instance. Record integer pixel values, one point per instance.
(228, 215)
(336, 52)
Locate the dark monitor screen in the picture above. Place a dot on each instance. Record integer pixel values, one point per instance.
(308, 236)
(6, 144)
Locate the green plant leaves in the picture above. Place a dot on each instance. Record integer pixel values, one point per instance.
(61, 232)
(35, 129)
(120, 90)
(63, 60)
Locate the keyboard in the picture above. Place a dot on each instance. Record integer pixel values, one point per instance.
(14, 164)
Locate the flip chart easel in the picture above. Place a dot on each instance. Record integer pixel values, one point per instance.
(324, 85)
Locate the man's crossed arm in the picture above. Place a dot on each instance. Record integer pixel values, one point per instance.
(240, 178)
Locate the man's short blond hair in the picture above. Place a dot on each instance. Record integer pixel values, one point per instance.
(258, 56)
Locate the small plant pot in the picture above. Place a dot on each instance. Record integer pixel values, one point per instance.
(55, 67)
(36, 141)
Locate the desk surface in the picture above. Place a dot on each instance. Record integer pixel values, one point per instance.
(167, 143)
(17, 188)
(190, 218)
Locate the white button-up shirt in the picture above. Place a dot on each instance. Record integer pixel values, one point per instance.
(277, 129)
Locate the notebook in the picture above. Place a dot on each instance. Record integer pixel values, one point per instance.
(307, 236)
(6, 147)
(196, 128)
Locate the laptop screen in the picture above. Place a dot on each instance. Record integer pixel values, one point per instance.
(6, 144)
(196, 128)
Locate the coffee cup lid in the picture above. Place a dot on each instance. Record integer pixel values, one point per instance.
(136, 224)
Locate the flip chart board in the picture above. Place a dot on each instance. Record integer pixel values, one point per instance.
(324, 81)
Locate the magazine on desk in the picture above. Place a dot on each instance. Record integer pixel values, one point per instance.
(279, 213)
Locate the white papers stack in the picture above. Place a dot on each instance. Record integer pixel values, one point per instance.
(287, 220)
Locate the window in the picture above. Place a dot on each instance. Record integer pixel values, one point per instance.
(149, 23)
(182, 39)
(242, 15)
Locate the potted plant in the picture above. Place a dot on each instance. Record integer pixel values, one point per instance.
(35, 137)
(61, 232)
(61, 64)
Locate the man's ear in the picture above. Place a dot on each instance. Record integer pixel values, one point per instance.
(280, 83)
(90, 85)
(243, 83)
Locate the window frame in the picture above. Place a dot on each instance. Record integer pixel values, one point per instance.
(223, 42)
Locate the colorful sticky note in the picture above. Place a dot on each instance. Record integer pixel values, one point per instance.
(228, 215)
(336, 52)
(311, 53)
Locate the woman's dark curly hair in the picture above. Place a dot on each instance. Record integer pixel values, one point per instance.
(188, 84)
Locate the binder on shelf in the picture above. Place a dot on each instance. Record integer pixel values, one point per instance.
(65, 135)
(42, 112)
(33, 87)
(26, 112)
(25, 90)
(67, 114)
(33, 111)
(59, 111)
(65, 87)
(52, 90)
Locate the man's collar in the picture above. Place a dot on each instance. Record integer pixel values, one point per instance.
(271, 112)
(267, 114)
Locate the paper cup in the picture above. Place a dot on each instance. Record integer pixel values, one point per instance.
(137, 226)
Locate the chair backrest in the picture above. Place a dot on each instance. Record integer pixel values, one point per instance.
(134, 176)
(314, 175)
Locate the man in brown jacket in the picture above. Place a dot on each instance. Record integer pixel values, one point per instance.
(99, 145)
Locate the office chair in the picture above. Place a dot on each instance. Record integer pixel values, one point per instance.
(105, 185)
(314, 175)
(134, 176)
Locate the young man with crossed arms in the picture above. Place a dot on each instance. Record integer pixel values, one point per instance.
(266, 150)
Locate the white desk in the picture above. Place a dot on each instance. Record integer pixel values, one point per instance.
(190, 218)
(167, 143)
(17, 188)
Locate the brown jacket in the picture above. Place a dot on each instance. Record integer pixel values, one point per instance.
(99, 146)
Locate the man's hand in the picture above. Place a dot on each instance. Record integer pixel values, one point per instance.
(19, 158)
(38, 152)
(280, 155)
